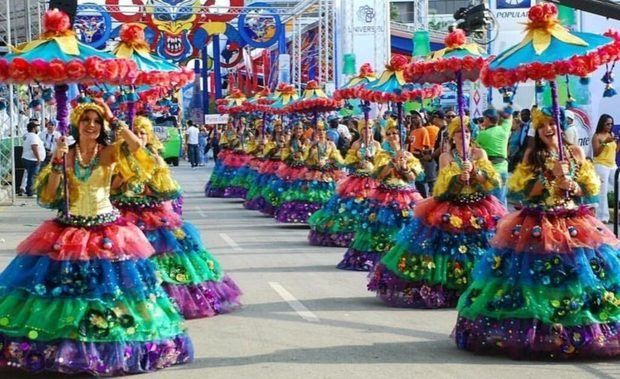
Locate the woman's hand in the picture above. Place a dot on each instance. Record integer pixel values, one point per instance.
(107, 112)
(61, 148)
(560, 169)
(468, 167)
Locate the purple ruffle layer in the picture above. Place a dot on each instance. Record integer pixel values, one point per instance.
(255, 204)
(401, 293)
(356, 260)
(213, 192)
(296, 211)
(95, 358)
(235, 192)
(206, 299)
(177, 205)
(530, 338)
(317, 238)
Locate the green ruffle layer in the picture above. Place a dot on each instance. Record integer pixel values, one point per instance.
(104, 320)
(188, 267)
(570, 305)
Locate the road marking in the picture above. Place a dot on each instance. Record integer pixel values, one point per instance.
(297, 306)
(202, 213)
(230, 242)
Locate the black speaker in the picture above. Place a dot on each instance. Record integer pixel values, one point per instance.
(67, 6)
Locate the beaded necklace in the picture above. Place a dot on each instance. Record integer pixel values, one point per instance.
(83, 171)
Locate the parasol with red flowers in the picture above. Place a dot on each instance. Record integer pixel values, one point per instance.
(58, 58)
(283, 96)
(392, 87)
(549, 50)
(314, 100)
(232, 104)
(458, 61)
(349, 90)
(258, 102)
(153, 71)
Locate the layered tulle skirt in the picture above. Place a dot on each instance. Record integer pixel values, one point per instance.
(87, 300)
(431, 262)
(307, 194)
(549, 288)
(335, 223)
(255, 197)
(389, 209)
(226, 170)
(191, 276)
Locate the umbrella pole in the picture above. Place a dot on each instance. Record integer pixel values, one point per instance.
(461, 108)
(556, 117)
(62, 116)
(315, 114)
(366, 109)
(399, 112)
(131, 109)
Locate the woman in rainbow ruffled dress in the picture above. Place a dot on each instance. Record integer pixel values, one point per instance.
(431, 263)
(550, 285)
(227, 164)
(82, 296)
(191, 276)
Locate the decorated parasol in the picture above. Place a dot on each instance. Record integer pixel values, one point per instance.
(58, 58)
(256, 103)
(458, 61)
(284, 95)
(153, 71)
(350, 89)
(392, 87)
(314, 100)
(547, 51)
(232, 104)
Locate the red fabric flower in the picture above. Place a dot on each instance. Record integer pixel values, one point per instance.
(4, 70)
(55, 21)
(131, 33)
(57, 71)
(397, 63)
(455, 39)
(75, 70)
(19, 70)
(38, 70)
(96, 68)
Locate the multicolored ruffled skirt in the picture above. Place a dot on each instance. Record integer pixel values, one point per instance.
(549, 288)
(221, 182)
(87, 300)
(255, 198)
(389, 209)
(191, 275)
(335, 223)
(280, 182)
(431, 262)
(307, 195)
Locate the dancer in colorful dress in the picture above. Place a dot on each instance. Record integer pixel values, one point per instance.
(272, 160)
(226, 164)
(390, 205)
(82, 295)
(191, 275)
(335, 223)
(244, 176)
(291, 171)
(550, 286)
(317, 182)
(431, 263)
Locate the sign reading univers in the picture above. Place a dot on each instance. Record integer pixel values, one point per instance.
(363, 29)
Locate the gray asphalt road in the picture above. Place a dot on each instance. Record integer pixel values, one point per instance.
(303, 318)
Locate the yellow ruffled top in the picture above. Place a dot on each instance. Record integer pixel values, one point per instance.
(301, 152)
(525, 177)
(91, 197)
(229, 140)
(367, 163)
(394, 178)
(251, 146)
(331, 156)
(448, 176)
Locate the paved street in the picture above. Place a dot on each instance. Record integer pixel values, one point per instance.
(303, 318)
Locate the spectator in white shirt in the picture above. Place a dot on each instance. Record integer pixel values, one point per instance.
(49, 137)
(191, 136)
(32, 155)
